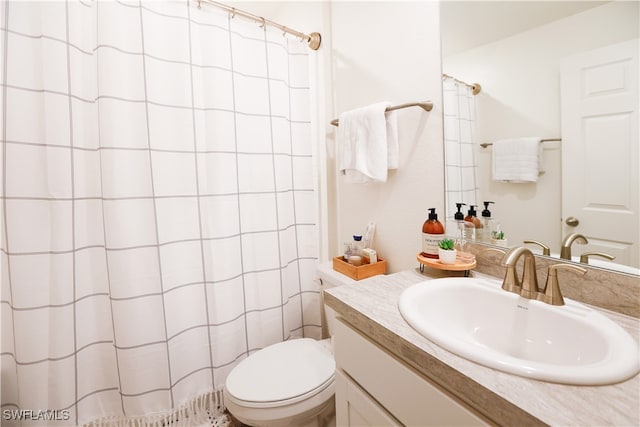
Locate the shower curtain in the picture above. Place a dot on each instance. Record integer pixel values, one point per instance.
(158, 207)
(460, 164)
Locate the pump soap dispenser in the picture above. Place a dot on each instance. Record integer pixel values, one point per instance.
(432, 234)
(455, 228)
(489, 225)
(474, 232)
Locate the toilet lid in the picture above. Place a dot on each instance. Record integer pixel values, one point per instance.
(281, 371)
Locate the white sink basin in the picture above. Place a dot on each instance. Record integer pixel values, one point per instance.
(476, 319)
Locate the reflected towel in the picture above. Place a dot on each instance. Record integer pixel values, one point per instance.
(368, 143)
(517, 160)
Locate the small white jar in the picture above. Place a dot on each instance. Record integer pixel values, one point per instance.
(355, 260)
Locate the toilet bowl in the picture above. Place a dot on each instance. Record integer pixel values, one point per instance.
(290, 383)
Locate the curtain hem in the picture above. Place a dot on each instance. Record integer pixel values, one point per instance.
(206, 409)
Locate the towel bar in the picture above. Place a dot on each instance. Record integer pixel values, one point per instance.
(486, 144)
(426, 106)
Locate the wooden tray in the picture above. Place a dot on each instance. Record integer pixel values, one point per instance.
(459, 265)
(359, 272)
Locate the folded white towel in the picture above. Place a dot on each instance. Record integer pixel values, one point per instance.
(517, 159)
(367, 143)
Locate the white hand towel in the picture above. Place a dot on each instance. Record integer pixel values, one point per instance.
(517, 160)
(367, 143)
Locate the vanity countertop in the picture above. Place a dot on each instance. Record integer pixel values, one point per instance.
(371, 306)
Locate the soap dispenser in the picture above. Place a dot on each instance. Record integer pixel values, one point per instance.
(473, 232)
(456, 228)
(432, 234)
(488, 223)
(357, 245)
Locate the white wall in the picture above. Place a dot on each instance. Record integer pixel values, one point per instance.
(521, 97)
(390, 51)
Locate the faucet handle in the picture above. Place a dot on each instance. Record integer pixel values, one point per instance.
(552, 294)
(584, 258)
(511, 282)
(546, 250)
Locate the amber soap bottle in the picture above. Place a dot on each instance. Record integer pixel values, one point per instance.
(472, 217)
(432, 233)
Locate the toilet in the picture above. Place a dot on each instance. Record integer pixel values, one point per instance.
(290, 383)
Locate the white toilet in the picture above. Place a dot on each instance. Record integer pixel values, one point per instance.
(289, 383)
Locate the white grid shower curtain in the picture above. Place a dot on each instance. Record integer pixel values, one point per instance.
(158, 209)
(460, 164)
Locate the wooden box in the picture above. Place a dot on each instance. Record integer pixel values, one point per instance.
(359, 272)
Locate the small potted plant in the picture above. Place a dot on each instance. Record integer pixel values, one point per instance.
(446, 252)
(498, 238)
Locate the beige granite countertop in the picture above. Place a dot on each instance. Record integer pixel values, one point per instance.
(371, 306)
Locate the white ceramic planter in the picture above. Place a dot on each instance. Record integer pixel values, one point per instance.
(499, 242)
(447, 256)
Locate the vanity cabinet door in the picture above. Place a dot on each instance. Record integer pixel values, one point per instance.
(355, 407)
(391, 386)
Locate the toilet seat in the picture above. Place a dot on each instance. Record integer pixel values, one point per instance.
(282, 374)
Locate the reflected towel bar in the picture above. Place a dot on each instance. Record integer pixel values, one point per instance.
(426, 106)
(486, 144)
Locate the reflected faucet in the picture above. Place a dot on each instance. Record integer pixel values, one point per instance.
(565, 249)
(529, 286)
(584, 258)
(546, 250)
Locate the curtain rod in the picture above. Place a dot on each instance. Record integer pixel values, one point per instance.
(486, 144)
(475, 87)
(312, 39)
(426, 106)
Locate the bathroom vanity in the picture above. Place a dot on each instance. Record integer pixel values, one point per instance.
(389, 374)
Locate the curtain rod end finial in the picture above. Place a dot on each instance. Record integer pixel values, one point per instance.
(314, 41)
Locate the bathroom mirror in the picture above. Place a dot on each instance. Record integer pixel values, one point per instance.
(514, 50)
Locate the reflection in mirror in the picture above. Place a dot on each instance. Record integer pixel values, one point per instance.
(519, 66)
(460, 167)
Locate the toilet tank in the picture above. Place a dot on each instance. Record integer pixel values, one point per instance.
(329, 278)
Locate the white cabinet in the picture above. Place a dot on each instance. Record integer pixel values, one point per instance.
(373, 388)
(355, 407)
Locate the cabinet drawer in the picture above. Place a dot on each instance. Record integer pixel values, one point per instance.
(404, 393)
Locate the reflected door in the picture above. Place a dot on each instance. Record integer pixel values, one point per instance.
(599, 100)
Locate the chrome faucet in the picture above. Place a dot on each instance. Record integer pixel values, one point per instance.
(565, 249)
(529, 286)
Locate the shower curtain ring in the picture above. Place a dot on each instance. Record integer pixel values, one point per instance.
(233, 12)
(263, 22)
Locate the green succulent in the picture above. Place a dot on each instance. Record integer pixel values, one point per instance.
(446, 244)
